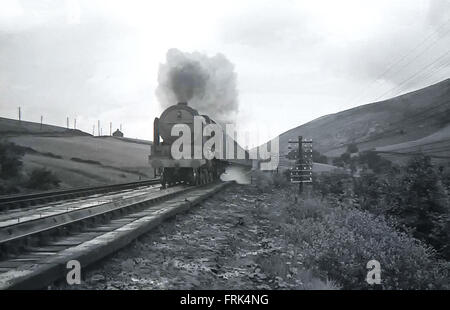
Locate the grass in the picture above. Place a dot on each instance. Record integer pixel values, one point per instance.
(77, 174)
(85, 160)
(335, 241)
(108, 151)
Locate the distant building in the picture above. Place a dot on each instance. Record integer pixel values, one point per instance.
(118, 133)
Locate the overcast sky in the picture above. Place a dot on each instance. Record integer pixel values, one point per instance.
(295, 60)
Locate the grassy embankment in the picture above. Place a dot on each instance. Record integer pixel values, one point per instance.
(335, 240)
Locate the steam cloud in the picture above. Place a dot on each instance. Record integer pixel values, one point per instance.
(208, 84)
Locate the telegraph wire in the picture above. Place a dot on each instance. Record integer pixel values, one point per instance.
(411, 77)
(405, 56)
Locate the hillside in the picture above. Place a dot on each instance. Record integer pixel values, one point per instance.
(436, 145)
(77, 158)
(14, 127)
(406, 118)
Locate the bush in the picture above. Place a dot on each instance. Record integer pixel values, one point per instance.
(333, 184)
(267, 181)
(352, 148)
(370, 189)
(10, 160)
(415, 195)
(11, 186)
(42, 179)
(445, 177)
(319, 158)
(423, 204)
(337, 242)
(343, 161)
(374, 161)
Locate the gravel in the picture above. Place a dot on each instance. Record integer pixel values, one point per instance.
(230, 241)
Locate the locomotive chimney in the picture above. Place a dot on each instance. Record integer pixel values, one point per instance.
(182, 103)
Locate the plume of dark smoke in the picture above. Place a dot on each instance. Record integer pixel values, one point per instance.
(208, 84)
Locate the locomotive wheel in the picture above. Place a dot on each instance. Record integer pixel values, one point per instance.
(163, 180)
(168, 178)
(192, 178)
(208, 177)
(197, 177)
(203, 178)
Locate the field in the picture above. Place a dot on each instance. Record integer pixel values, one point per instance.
(436, 145)
(84, 160)
(77, 158)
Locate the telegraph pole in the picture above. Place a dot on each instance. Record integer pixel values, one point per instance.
(42, 118)
(20, 115)
(67, 122)
(110, 128)
(93, 130)
(302, 171)
(98, 127)
(74, 123)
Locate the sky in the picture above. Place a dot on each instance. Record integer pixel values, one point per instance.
(294, 60)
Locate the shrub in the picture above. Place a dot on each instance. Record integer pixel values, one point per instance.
(338, 242)
(424, 204)
(415, 195)
(352, 148)
(266, 181)
(374, 161)
(338, 162)
(445, 177)
(369, 188)
(42, 179)
(319, 158)
(10, 160)
(332, 183)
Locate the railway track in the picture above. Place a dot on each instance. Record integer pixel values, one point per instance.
(37, 242)
(20, 201)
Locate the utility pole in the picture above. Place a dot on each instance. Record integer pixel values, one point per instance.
(74, 123)
(20, 115)
(42, 118)
(302, 171)
(98, 127)
(110, 128)
(67, 122)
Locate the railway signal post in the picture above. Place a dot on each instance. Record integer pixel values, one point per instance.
(302, 170)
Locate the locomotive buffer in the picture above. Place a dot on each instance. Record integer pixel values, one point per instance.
(302, 171)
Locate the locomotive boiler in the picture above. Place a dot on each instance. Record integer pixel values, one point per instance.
(192, 170)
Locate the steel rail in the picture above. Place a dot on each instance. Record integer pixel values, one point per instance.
(21, 230)
(41, 264)
(16, 201)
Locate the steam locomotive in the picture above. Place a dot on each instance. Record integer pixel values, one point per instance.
(192, 170)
